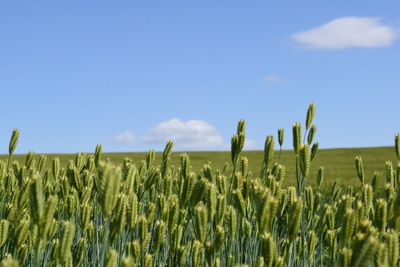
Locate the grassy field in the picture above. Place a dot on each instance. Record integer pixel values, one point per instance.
(339, 163)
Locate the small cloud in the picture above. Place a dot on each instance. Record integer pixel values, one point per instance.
(348, 32)
(192, 134)
(123, 138)
(273, 78)
(250, 144)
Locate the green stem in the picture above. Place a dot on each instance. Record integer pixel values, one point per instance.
(231, 184)
(8, 161)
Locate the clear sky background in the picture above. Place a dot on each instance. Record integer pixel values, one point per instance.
(132, 75)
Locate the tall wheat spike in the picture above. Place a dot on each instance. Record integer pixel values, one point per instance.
(305, 159)
(269, 250)
(201, 221)
(67, 237)
(112, 257)
(4, 231)
(295, 219)
(37, 202)
(13, 141)
(268, 151)
(397, 145)
(310, 114)
(311, 134)
(109, 178)
(296, 137)
(360, 169)
(281, 135)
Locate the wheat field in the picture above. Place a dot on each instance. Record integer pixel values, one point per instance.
(305, 207)
(373, 157)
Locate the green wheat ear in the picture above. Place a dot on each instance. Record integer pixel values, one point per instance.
(232, 221)
(389, 172)
(9, 261)
(29, 160)
(67, 237)
(310, 115)
(381, 214)
(345, 257)
(128, 262)
(244, 166)
(13, 141)
(85, 215)
(314, 149)
(133, 211)
(219, 237)
(311, 134)
(365, 251)
(239, 202)
(397, 145)
(97, 154)
(182, 252)
(159, 235)
(393, 248)
(281, 134)
(296, 129)
(305, 159)
(212, 199)
(260, 262)
(22, 232)
(268, 249)
(55, 168)
(368, 197)
(150, 158)
(41, 163)
(349, 226)
(166, 158)
(295, 219)
(267, 213)
(381, 257)
(80, 255)
(374, 180)
(237, 142)
(109, 179)
(167, 150)
(201, 215)
(320, 175)
(360, 169)
(217, 262)
(148, 260)
(47, 221)
(37, 201)
(220, 209)
(241, 141)
(268, 151)
(112, 258)
(241, 127)
(4, 231)
(119, 219)
(196, 253)
(312, 241)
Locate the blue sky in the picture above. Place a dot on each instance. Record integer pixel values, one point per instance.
(131, 75)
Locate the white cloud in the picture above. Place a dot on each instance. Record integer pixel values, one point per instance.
(273, 78)
(250, 144)
(348, 32)
(192, 134)
(123, 138)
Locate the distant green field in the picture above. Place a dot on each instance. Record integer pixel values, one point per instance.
(338, 163)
